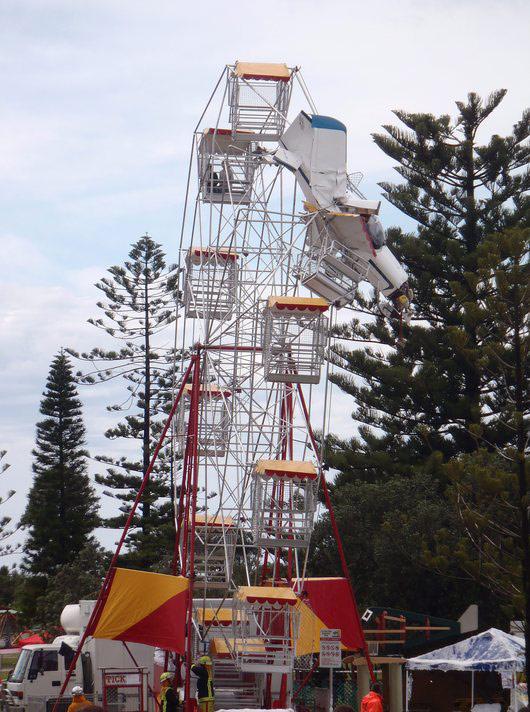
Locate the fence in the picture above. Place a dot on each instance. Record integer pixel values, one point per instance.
(311, 697)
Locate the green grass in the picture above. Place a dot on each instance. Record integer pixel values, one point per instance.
(7, 662)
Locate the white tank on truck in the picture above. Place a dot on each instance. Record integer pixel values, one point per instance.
(41, 669)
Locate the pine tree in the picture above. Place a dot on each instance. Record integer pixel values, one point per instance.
(486, 540)
(140, 306)
(5, 530)
(490, 488)
(62, 508)
(383, 529)
(8, 583)
(424, 400)
(78, 580)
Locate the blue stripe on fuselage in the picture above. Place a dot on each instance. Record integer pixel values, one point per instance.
(326, 122)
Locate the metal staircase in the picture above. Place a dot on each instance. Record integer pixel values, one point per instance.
(234, 689)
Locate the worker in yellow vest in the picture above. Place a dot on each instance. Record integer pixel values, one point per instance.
(168, 698)
(203, 672)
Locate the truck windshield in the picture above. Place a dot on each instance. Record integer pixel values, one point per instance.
(20, 667)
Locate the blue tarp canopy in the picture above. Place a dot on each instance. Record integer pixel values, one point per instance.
(492, 650)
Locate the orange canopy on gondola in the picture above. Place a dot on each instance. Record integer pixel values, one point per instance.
(263, 70)
(302, 304)
(217, 617)
(266, 594)
(297, 469)
(222, 647)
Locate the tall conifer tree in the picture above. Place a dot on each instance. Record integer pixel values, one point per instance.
(428, 397)
(490, 488)
(422, 399)
(62, 507)
(139, 308)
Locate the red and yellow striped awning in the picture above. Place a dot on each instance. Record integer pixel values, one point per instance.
(302, 304)
(266, 594)
(143, 607)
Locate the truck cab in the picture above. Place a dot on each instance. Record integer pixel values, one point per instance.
(41, 670)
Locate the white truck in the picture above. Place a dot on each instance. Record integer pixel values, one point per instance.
(41, 669)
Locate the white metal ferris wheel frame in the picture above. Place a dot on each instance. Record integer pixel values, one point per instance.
(259, 429)
(267, 233)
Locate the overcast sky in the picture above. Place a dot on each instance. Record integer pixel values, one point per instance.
(98, 102)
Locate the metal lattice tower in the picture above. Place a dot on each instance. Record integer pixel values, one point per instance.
(251, 250)
(243, 237)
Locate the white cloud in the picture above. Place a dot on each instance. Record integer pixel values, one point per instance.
(100, 97)
(36, 320)
(100, 100)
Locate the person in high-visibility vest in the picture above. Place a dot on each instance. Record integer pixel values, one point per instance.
(79, 701)
(373, 701)
(168, 698)
(203, 672)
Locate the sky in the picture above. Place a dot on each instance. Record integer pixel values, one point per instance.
(99, 99)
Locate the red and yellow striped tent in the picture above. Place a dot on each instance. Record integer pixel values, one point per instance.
(142, 607)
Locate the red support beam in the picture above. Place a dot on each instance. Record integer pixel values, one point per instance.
(305, 680)
(193, 477)
(335, 529)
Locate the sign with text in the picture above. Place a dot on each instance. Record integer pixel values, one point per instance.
(330, 654)
(123, 679)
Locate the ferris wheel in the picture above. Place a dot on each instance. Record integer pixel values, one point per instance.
(276, 237)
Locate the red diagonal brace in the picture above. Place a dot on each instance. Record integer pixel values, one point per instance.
(336, 533)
